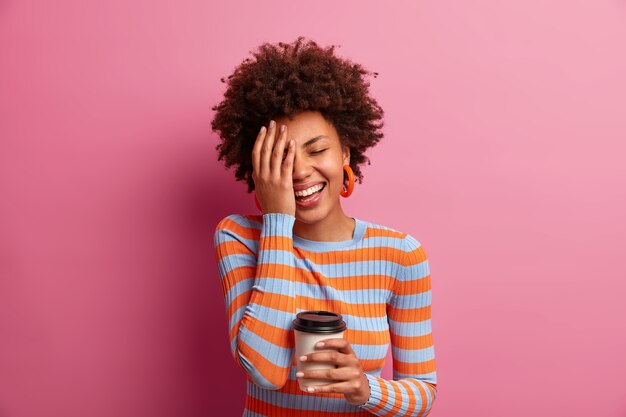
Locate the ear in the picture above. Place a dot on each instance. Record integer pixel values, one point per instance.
(345, 153)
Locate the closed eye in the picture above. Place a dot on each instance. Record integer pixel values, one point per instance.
(312, 152)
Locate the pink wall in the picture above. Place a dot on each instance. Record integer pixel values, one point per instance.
(503, 155)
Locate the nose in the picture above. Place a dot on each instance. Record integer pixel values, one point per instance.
(301, 167)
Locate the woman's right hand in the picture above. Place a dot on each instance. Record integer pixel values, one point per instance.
(271, 173)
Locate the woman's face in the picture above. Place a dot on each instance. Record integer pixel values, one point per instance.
(319, 159)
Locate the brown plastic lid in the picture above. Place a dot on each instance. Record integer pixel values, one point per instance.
(319, 321)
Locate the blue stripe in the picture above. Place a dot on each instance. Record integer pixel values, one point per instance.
(391, 397)
(410, 301)
(266, 349)
(254, 373)
(338, 270)
(370, 352)
(248, 413)
(300, 401)
(318, 292)
(229, 236)
(245, 222)
(417, 328)
(272, 316)
(229, 262)
(375, 389)
(416, 271)
(239, 288)
(276, 256)
(382, 242)
(413, 356)
(430, 377)
(404, 406)
(418, 397)
(365, 323)
(373, 242)
(429, 399)
(350, 269)
(325, 292)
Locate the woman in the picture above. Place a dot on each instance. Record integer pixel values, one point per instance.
(296, 122)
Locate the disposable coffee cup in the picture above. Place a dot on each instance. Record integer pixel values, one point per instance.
(311, 327)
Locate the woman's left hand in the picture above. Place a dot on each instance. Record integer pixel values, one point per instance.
(348, 377)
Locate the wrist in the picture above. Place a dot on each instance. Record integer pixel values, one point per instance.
(364, 393)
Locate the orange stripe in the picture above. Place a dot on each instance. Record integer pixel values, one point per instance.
(415, 256)
(365, 282)
(278, 243)
(368, 281)
(413, 342)
(371, 337)
(236, 275)
(274, 301)
(261, 407)
(270, 300)
(281, 242)
(232, 247)
(273, 373)
(276, 335)
(352, 255)
(404, 315)
(371, 364)
(425, 367)
(239, 301)
(371, 310)
(374, 232)
(416, 286)
(278, 271)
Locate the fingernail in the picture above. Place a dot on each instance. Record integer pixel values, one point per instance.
(282, 128)
(320, 344)
(272, 123)
(302, 358)
(310, 389)
(291, 143)
(262, 129)
(299, 374)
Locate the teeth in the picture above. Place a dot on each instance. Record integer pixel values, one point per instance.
(309, 191)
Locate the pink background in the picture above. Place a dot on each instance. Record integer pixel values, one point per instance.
(504, 155)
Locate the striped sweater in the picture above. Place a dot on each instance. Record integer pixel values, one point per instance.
(379, 281)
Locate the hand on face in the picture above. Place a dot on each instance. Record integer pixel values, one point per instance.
(271, 173)
(347, 377)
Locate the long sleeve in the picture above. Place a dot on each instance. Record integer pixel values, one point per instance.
(259, 293)
(412, 391)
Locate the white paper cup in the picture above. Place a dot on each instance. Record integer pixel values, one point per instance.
(311, 327)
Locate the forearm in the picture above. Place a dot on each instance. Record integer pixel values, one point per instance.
(260, 298)
(412, 391)
(403, 397)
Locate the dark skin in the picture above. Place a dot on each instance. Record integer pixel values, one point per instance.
(276, 167)
(346, 378)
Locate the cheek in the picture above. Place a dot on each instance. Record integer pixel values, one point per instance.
(335, 176)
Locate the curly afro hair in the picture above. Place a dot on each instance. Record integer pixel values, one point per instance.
(286, 79)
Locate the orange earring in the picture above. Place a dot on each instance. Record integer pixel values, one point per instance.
(346, 193)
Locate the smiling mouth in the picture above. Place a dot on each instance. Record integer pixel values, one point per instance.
(304, 199)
